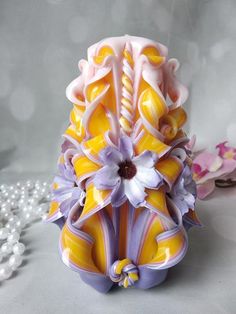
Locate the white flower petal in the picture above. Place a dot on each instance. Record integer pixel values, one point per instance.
(107, 177)
(134, 191)
(146, 159)
(149, 177)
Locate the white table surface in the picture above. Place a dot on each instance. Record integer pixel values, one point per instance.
(204, 282)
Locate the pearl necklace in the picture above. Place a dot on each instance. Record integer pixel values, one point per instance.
(21, 204)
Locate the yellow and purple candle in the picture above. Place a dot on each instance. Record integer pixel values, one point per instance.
(124, 195)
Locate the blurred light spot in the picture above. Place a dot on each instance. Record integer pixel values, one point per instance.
(224, 225)
(55, 1)
(219, 49)
(119, 11)
(55, 55)
(5, 84)
(231, 134)
(162, 18)
(193, 51)
(8, 138)
(186, 73)
(22, 103)
(5, 54)
(78, 29)
(146, 2)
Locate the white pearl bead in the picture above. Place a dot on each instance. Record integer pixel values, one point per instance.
(18, 248)
(44, 216)
(22, 202)
(5, 272)
(48, 197)
(11, 188)
(3, 187)
(7, 216)
(27, 217)
(5, 195)
(13, 237)
(32, 201)
(5, 208)
(6, 248)
(18, 184)
(3, 233)
(40, 210)
(14, 204)
(29, 185)
(20, 224)
(13, 219)
(15, 229)
(15, 261)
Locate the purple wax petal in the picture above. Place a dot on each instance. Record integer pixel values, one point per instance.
(106, 178)
(110, 156)
(126, 147)
(118, 196)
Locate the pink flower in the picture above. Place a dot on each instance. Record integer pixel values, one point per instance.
(226, 152)
(207, 167)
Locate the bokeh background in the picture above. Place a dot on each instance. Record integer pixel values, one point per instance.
(41, 42)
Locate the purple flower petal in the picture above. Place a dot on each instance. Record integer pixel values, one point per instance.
(134, 191)
(106, 178)
(149, 177)
(126, 147)
(118, 196)
(110, 156)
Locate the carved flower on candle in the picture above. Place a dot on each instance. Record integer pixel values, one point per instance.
(127, 175)
(127, 195)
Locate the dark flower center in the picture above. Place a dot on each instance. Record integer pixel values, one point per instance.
(127, 169)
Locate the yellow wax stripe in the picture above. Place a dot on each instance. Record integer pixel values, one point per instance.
(77, 250)
(152, 106)
(76, 133)
(102, 54)
(98, 122)
(95, 200)
(55, 186)
(94, 146)
(150, 245)
(76, 129)
(54, 207)
(170, 168)
(169, 248)
(149, 142)
(153, 55)
(93, 90)
(179, 114)
(129, 58)
(93, 226)
(125, 125)
(84, 166)
(127, 83)
(126, 282)
(157, 200)
(124, 212)
(121, 264)
(133, 276)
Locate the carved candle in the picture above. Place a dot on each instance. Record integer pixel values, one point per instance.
(124, 195)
